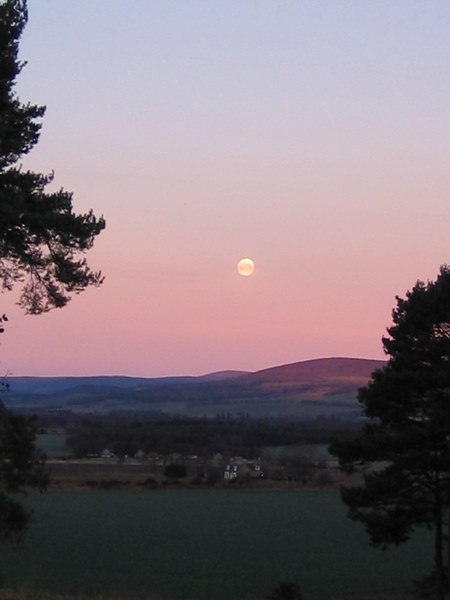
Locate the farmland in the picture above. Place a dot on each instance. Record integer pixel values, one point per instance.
(115, 524)
(214, 545)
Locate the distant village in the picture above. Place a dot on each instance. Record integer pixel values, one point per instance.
(312, 464)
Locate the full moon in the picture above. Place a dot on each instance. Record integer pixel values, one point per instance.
(246, 267)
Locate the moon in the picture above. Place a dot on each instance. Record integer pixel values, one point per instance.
(245, 267)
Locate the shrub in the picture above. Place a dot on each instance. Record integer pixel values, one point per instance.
(149, 483)
(175, 470)
(286, 590)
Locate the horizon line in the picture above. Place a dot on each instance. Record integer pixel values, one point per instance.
(204, 374)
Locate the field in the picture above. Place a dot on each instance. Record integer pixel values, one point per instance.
(205, 545)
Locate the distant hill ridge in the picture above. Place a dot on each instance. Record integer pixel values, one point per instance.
(319, 370)
(312, 371)
(284, 390)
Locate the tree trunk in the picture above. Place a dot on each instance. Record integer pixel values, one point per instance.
(438, 555)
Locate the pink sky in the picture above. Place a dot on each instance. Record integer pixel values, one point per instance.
(313, 137)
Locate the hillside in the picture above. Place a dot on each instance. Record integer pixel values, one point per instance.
(308, 389)
(321, 370)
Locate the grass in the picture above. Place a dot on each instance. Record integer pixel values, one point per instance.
(204, 545)
(23, 595)
(39, 595)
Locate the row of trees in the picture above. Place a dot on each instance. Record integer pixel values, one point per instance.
(404, 449)
(202, 437)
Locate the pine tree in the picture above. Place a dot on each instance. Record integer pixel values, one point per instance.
(404, 448)
(41, 238)
(20, 467)
(41, 246)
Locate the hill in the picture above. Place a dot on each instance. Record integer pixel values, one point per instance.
(308, 389)
(321, 370)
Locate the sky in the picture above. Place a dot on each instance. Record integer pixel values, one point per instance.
(310, 136)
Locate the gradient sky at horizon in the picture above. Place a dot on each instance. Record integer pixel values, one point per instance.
(311, 136)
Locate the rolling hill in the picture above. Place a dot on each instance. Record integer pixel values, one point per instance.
(309, 389)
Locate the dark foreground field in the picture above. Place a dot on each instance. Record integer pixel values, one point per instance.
(23, 595)
(203, 545)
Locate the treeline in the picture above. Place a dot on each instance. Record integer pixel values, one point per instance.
(89, 435)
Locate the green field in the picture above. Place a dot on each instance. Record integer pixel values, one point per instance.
(205, 545)
(53, 444)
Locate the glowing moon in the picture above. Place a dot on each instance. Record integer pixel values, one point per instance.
(246, 267)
